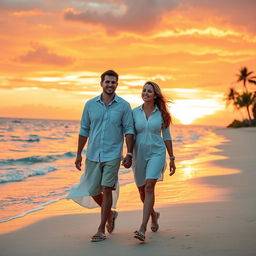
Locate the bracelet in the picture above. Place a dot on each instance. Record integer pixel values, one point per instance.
(172, 157)
(130, 154)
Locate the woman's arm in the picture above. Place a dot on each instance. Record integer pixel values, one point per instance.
(168, 144)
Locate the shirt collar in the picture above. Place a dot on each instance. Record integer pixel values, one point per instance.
(116, 99)
(155, 109)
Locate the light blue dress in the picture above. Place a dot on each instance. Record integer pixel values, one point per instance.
(149, 150)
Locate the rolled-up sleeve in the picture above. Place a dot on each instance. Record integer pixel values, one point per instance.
(85, 123)
(127, 120)
(166, 133)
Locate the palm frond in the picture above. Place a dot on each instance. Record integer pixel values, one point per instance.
(252, 81)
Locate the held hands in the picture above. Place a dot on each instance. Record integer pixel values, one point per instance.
(127, 161)
(172, 167)
(78, 162)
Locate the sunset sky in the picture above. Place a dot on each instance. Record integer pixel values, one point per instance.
(53, 52)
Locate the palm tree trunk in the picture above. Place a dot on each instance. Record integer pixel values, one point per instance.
(245, 86)
(250, 119)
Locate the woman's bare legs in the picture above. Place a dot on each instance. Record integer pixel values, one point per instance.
(147, 195)
(142, 197)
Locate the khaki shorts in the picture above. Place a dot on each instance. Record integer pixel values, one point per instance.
(98, 174)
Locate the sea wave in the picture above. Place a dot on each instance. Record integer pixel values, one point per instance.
(32, 138)
(196, 137)
(18, 150)
(52, 138)
(27, 140)
(21, 175)
(36, 159)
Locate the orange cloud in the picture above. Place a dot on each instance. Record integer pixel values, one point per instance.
(143, 16)
(27, 13)
(239, 12)
(42, 55)
(136, 16)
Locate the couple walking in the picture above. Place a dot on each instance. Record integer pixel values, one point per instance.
(105, 121)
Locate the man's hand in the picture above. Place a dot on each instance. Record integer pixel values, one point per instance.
(172, 167)
(78, 162)
(127, 161)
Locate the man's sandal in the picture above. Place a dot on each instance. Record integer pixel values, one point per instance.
(155, 226)
(111, 227)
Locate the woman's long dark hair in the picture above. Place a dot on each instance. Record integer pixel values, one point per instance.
(161, 103)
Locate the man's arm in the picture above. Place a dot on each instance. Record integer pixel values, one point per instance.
(128, 124)
(129, 139)
(83, 136)
(81, 143)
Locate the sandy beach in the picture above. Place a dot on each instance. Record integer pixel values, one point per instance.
(217, 216)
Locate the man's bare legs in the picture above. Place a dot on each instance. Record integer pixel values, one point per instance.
(147, 196)
(98, 199)
(104, 200)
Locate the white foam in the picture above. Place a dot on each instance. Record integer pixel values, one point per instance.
(41, 207)
(21, 175)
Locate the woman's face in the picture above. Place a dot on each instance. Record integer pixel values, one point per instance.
(148, 93)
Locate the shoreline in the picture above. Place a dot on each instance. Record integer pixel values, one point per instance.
(224, 226)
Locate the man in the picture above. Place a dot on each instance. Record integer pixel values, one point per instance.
(105, 121)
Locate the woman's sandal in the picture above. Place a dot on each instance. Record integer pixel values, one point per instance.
(139, 235)
(98, 237)
(155, 226)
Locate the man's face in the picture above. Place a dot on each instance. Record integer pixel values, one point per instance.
(109, 84)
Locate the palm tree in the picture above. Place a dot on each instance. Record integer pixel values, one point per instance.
(231, 95)
(231, 99)
(244, 76)
(245, 100)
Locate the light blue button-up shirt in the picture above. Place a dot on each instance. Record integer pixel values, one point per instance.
(150, 134)
(106, 126)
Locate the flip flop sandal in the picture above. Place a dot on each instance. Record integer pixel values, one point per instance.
(155, 227)
(139, 235)
(98, 237)
(110, 228)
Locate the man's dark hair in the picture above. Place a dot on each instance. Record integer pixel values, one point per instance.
(109, 73)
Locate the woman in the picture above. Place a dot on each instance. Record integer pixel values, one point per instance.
(150, 120)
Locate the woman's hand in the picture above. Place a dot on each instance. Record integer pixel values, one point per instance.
(172, 167)
(127, 161)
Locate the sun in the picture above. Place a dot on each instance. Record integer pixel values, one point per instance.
(187, 110)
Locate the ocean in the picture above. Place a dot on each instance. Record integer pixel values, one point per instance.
(37, 161)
